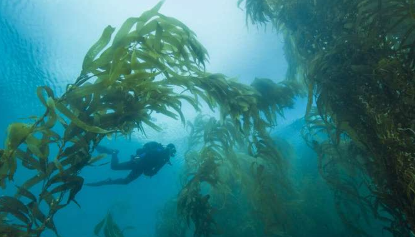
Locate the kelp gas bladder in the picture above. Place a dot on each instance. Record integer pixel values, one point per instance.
(124, 79)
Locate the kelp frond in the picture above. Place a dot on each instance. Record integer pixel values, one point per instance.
(126, 76)
(357, 58)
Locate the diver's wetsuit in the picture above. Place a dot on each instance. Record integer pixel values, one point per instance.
(147, 163)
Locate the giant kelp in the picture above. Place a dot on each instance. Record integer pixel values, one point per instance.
(150, 65)
(167, 222)
(116, 92)
(109, 227)
(345, 166)
(243, 121)
(358, 59)
(223, 177)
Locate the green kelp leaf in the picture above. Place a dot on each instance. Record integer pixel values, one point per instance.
(139, 25)
(16, 134)
(157, 7)
(34, 145)
(198, 52)
(151, 124)
(157, 41)
(167, 112)
(85, 90)
(48, 91)
(125, 29)
(99, 226)
(176, 23)
(141, 28)
(177, 108)
(148, 28)
(117, 66)
(52, 117)
(102, 64)
(97, 48)
(192, 101)
(78, 122)
(150, 13)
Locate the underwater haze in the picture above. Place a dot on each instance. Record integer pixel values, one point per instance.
(44, 42)
(286, 118)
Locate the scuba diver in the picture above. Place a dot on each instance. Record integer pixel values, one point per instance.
(147, 160)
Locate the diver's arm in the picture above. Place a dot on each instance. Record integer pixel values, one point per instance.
(116, 165)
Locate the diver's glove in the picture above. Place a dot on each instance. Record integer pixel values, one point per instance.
(100, 183)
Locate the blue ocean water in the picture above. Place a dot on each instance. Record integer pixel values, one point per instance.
(44, 42)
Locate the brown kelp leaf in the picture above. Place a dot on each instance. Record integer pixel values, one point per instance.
(42, 218)
(14, 203)
(77, 187)
(33, 181)
(34, 209)
(111, 228)
(99, 226)
(26, 193)
(13, 211)
(14, 231)
(27, 159)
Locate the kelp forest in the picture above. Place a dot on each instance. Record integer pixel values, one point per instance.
(353, 61)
